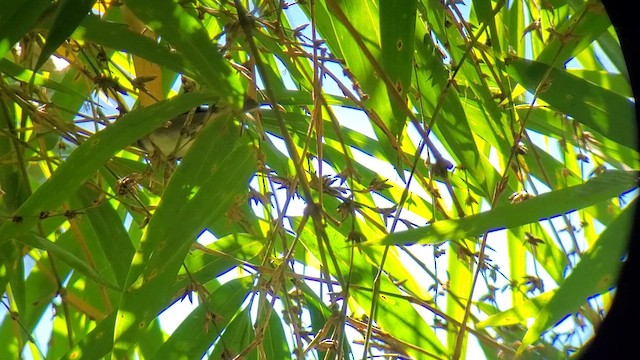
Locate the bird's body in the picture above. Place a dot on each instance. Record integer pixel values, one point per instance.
(174, 137)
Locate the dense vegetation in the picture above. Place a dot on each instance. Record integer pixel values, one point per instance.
(423, 178)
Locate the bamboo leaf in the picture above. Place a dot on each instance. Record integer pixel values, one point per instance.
(238, 335)
(188, 36)
(575, 34)
(608, 113)
(17, 18)
(595, 274)
(111, 235)
(601, 188)
(217, 258)
(213, 169)
(92, 268)
(397, 29)
(118, 36)
(393, 312)
(26, 75)
(74, 262)
(616, 83)
(518, 314)
(355, 28)
(206, 322)
(90, 156)
(68, 16)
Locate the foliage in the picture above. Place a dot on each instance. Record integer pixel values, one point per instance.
(422, 177)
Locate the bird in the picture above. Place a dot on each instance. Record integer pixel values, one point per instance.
(174, 138)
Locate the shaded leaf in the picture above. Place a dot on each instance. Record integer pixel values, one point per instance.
(68, 16)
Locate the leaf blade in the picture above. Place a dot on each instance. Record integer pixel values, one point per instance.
(600, 188)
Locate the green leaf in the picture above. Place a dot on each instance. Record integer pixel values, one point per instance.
(217, 258)
(152, 340)
(10, 178)
(601, 188)
(93, 154)
(35, 241)
(206, 322)
(353, 31)
(16, 18)
(25, 75)
(546, 121)
(38, 291)
(189, 37)
(397, 30)
(211, 179)
(238, 335)
(610, 114)
(68, 16)
(110, 233)
(518, 314)
(394, 313)
(575, 34)
(118, 36)
(595, 274)
(616, 83)
(452, 125)
(275, 343)
(97, 343)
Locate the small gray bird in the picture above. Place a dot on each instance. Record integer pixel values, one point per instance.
(174, 137)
